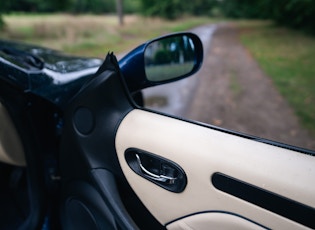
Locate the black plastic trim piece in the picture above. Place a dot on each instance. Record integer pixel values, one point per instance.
(217, 211)
(106, 183)
(278, 204)
(82, 195)
(90, 150)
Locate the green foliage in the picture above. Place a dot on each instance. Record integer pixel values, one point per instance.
(299, 14)
(74, 6)
(201, 7)
(132, 6)
(35, 5)
(3, 8)
(288, 57)
(102, 6)
(2, 24)
(246, 8)
(170, 9)
(95, 6)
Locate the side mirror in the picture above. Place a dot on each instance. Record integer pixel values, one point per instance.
(162, 60)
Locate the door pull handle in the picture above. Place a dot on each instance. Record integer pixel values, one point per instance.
(160, 178)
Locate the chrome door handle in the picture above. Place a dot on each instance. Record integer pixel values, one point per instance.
(156, 169)
(155, 177)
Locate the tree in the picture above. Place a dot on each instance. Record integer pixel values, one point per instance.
(120, 13)
(2, 24)
(4, 6)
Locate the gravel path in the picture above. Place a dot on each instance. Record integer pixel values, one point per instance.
(234, 93)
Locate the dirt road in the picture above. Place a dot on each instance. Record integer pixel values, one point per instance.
(232, 92)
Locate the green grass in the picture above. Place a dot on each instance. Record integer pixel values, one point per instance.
(235, 86)
(90, 35)
(168, 71)
(288, 57)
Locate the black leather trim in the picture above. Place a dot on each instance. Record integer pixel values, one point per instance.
(276, 203)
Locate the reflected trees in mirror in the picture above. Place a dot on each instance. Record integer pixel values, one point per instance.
(169, 58)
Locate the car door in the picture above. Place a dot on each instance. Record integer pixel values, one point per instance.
(233, 181)
(127, 167)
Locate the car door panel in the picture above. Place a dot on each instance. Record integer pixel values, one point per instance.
(214, 220)
(202, 152)
(11, 150)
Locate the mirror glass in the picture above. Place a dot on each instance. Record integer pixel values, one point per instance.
(169, 58)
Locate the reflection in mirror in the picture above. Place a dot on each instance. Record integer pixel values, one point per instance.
(169, 58)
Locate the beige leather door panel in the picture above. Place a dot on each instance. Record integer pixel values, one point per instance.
(11, 150)
(203, 152)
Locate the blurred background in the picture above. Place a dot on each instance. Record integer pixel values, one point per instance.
(78, 26)
(275, 37)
